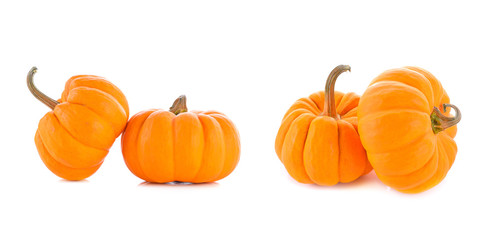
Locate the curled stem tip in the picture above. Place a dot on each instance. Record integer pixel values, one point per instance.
(440, 122)
(330, 105)
(179, 105)
(51, 103)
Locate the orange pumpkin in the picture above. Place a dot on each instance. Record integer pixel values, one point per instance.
(406, 129)
(318, 141)
(74, 138)
(179, 146)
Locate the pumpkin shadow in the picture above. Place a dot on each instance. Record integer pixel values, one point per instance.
(369, 179)
(83, 181)
(179, 184)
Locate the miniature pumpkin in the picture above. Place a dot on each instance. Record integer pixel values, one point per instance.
(179, 146)
(406, 129)
(318, 141)
(74, 138)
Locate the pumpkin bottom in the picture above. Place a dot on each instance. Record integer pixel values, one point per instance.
(59, 169)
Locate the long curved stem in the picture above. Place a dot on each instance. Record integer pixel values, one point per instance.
(440, 122)
(51, 103)
(179, 106)
(330, 103)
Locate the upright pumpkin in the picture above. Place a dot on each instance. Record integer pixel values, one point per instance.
(409, 141)
(176, 145)
(318, 141)
(74, 138)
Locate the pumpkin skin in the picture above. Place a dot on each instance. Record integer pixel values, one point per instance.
(74, 138)
(177, 146)
(316, 147)
(400, 124)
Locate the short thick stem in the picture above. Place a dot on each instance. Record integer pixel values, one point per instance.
(330, 103)
(440, 122)
(179, 106)
(51, 103)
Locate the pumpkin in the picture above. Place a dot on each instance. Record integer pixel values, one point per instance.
(179, 146)
(406, 129)
(318, 140)
(74, 138)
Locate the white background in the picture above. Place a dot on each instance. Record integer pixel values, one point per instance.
(250, 60)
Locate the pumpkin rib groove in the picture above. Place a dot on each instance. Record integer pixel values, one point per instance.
(431, 181)
(48, 163)
(99, 118)
(130, 157)
(123, 102)
(339, 154)
(303, 151)
(204, 157)
(114, 101)
(416, 139)
(90, 109)
(418, 168)
(70, 134)
(302, 163)
(282, 137)
(138, 139)
(384, 83)
(320, 104)
(422, 180)
(111, 97)
(52, 154)
(226, 123)
(317, 108)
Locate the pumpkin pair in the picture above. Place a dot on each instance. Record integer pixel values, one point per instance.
(158, 146)
(400, 126)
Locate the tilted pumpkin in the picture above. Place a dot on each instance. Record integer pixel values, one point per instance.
(406, 129)
(180, 146)
(74, 138)
(318, 141)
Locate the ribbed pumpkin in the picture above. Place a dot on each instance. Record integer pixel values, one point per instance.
(179, 146)
(318, 141)
(406, 129)
(74, 138)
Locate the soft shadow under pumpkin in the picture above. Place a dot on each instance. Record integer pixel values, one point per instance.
(179, 184)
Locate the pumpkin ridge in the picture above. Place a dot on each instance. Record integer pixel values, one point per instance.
(99, 115)
(319, 106)
(116, 131)
(289, 169)
(303, 150)
(50, 166)
(76, 139)
(422, 181)
(314, 104)
(51, 154)
(61, 163)
(123, 103)
(138, 139)
(430, 182)
(418, 138)
(203, 155)
(420, 168)
(111, 97)
(227, 123)
(282, 137)
(100, 118)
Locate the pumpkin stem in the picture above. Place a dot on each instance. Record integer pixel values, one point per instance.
(440, 122)
(330, 103)
(179, 106)
(51, 103)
